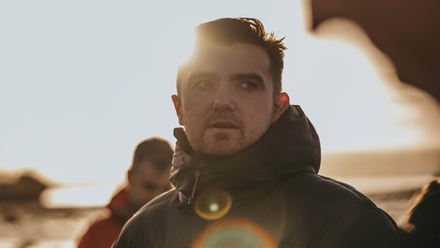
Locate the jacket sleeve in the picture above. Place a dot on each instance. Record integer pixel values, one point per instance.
(365, 226)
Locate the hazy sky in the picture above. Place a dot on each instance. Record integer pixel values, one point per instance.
(82, 82)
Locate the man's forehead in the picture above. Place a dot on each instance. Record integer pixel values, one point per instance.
(202, 49)
(147, 167)
(234, 58)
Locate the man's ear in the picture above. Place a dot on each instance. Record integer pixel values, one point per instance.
(280, 105)
(178, 107)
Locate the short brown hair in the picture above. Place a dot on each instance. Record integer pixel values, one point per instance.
(156, 150)
(242, 30)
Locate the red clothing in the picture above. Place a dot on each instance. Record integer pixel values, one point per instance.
(104, 232)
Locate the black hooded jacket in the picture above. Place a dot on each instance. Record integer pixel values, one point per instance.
(268, 195)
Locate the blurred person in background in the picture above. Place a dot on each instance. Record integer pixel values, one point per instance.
(245, 167)
(423, 227)
(147, 178)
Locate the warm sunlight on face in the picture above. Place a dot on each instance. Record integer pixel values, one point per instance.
(226, 102)
(77, 93)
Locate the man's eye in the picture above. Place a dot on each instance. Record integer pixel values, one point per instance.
(205, 84)
(248, 85)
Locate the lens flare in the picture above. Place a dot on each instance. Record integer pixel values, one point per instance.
(213, 204)
(235, 233)
(213, 207)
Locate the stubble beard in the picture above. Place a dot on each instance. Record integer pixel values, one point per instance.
(223, 144)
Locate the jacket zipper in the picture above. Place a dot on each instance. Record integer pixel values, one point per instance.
(191, 199)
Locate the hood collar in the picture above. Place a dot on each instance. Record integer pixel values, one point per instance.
(291, 145)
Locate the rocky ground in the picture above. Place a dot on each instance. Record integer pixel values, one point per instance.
(28, 225)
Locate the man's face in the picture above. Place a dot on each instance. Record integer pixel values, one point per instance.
(226, 102)
(146, 183)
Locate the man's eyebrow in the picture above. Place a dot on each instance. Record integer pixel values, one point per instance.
(207, 75)
(253, 76)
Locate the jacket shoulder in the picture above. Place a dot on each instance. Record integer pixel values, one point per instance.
(344, 216)
(137, 232)
(327, 191)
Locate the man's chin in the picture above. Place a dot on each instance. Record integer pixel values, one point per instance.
(222, 147)
(219, 144)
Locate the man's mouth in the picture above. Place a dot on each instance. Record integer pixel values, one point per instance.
(223, 125)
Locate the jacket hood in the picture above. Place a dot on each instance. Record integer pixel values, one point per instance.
(290, 145)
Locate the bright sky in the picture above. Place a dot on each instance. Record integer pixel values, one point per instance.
(82, 82)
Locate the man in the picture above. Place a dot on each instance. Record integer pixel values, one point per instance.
(147, 178)
(245, 167)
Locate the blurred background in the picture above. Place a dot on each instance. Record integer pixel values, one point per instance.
(82, 82)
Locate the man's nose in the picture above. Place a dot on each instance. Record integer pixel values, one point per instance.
(224, 99)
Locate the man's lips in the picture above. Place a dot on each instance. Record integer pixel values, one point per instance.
(223, 125)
